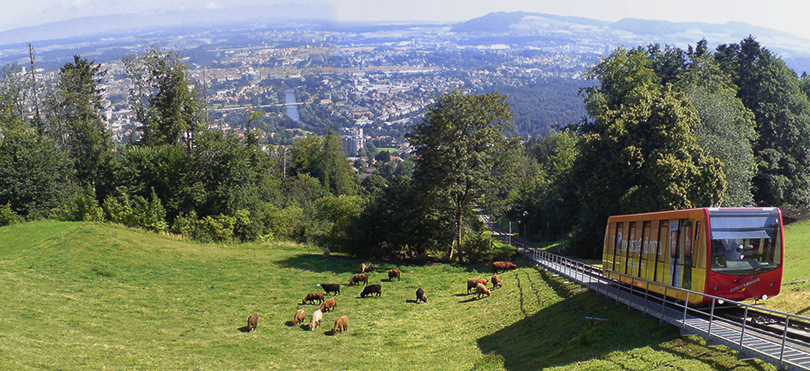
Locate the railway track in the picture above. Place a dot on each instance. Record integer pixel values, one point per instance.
(781, 339)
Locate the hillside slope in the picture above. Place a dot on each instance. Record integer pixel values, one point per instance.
(98, 296)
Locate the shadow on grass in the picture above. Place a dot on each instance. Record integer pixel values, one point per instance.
(243, 329)
(470, 300)
(338, 264)
(692, 348)
(560, 334)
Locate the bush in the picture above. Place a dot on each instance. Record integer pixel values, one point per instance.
(136, 212)
(8, 216)
(83, 207)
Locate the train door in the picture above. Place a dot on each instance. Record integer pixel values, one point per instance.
(632, 251)
(686, 253)
(660, 273)
(643, 250)
(674, 278)
(617, 248)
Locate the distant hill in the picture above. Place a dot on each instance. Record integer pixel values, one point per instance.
(515, 28)
(631, 32)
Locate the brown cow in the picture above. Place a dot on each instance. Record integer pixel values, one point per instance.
(329, 305)
(472, 283)
(341, 324)
(502, 266)
(496, 281)
(482, 290)
(420, 295)
(312, 297)
(253, 321)
(394, 273)
(300, 316)
(367, 267)
(357, 278)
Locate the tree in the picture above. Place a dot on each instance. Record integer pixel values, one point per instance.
(726, 129)
(168, 105)
(637, 149)
(781, 110)
(12, 97)
(83, 134)
(35, 176)
(324, 159)
(457, 147)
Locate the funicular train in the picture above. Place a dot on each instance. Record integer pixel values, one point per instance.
(734, 253)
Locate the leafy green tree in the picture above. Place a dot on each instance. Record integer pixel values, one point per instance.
(637, 150)
(726, 129)
(166, 103)
(544, 200)
(12, 97)
(79, 127)
(398, 223)
(781, 110)
(35, 176)
(166, 169)
(324, 159)
(457, 148)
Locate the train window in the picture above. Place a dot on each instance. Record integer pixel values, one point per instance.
(687, 239)
(744, 245)
(697, 230)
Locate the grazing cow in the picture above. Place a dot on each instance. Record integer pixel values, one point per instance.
(420, 295)
(334, 288)
(300, 316)
(317, 317)
(329, 305)
(496, 281)
(394, 273)
(357, 278)
(341, 324)
(326, 252)
(502, 266)
(369, 290)
(252, 322)
(472, 283)
(482, 290)
(367, 267)
(312, 297)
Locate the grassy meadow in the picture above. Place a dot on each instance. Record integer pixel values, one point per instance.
(98, 296)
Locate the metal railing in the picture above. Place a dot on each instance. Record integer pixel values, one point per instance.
(780, 350)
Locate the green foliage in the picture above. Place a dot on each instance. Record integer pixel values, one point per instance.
(136, 211)
(12, 97)
(726, 129)
(76, 125)
(287, 223)
(324, 159)
(340, 212)
(397, 223)
(164, 104)
(8, 216)
(458, 147)
(638, 152)
(781, 110)
(35, 176)
(83, 207)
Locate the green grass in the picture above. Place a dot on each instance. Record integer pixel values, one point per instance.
(97, 296)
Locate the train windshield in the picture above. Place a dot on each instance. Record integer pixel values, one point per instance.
(745, 242)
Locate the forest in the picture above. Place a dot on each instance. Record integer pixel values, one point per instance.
(663, 128)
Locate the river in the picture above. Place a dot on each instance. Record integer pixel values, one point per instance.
(292, 109)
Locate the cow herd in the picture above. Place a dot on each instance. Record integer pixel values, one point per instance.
(369, 290)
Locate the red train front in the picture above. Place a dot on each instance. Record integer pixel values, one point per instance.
(746, 253)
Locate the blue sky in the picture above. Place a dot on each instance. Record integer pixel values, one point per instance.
(790, 16)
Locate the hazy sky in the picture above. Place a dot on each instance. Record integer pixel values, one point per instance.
(788, 15)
